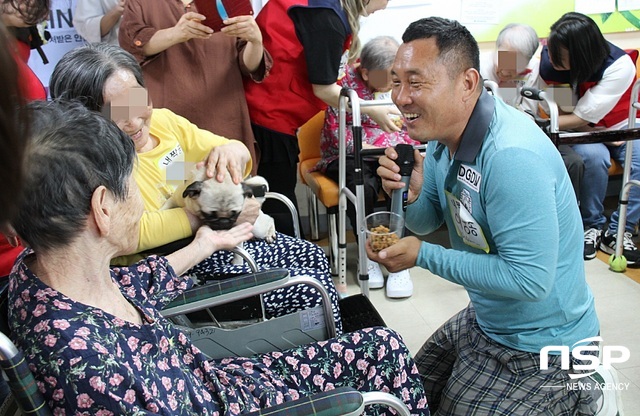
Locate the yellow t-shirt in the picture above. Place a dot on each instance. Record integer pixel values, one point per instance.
(161, 170)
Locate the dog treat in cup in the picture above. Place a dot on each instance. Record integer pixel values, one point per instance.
(383, 229)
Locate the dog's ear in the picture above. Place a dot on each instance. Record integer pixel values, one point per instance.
(259, 191)
(193, 190)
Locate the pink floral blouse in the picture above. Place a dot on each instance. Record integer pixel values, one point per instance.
(371, 132)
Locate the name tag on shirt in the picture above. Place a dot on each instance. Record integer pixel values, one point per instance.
(466, 226)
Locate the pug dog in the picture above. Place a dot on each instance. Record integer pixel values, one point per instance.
(219, 204)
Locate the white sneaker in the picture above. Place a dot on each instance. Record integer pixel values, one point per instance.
(399, 285)
(376, 279)
(610, 404)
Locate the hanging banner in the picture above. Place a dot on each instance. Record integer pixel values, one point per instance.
(63, 38)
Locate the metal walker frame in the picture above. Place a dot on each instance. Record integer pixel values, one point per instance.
(349, 97)
(617, 261)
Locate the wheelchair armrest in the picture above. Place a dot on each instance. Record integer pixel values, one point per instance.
(222, 291)
(292, 209)
(20, 380)
(386, 399)
(340, 401)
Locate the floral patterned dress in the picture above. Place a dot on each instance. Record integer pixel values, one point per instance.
(87, 361)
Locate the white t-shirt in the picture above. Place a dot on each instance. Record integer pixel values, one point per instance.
(86, 20)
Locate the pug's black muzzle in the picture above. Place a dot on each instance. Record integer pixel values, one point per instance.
(220, 223)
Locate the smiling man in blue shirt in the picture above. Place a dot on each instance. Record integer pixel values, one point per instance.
(503, 191)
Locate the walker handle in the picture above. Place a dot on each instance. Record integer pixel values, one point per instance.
(532, 93)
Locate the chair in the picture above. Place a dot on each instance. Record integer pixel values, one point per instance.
(319, 187)
(344, 401)
(25, 398)
(280, 333)
(247, 308)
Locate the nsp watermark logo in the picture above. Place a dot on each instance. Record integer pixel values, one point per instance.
(609, 354)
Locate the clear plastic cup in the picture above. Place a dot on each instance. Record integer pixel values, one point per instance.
(383, 229)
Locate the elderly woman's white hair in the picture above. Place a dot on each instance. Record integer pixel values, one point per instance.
(520, 38)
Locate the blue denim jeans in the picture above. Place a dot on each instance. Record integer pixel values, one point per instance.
(593, 190)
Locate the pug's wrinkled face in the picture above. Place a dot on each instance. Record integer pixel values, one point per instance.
(218, 204)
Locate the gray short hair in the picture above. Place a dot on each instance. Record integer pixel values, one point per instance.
(379, 53)
(70, 152)
(82, 73)
(520, 38)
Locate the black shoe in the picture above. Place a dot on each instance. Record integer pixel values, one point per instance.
(591, 242)
(629, 249)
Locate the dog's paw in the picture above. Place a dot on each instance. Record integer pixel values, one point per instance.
(271, 232)
(264, 228)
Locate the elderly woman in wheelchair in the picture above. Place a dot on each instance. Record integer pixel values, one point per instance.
(109, 80)
(94, 336)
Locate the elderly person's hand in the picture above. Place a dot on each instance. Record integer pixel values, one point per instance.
(250, 211)
(389, 172)
(232, 157)
(397, 257)
(243, 27)
(189, 27)
(380, 114)
(205, 242)
(210, 241)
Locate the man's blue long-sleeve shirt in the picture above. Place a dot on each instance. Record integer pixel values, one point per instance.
(514, 227)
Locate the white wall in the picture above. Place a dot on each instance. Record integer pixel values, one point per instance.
(400, 13)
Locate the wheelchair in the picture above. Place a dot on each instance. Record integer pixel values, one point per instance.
(25, 398)
(217, 341)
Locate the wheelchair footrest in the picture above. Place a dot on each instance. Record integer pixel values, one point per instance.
(358, 312)
(299, 328)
